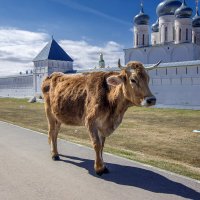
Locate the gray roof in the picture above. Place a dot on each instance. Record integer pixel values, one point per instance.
(184, 11)
(53, 51)
(167, 7)
(141, 18)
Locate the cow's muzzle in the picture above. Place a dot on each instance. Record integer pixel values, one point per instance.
(149, 101)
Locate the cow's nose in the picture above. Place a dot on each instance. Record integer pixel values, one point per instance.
(151, 100)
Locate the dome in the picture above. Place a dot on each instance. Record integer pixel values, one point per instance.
(141, 18)
(155, 26)
(184, 11)
(167, 7)
(196, 20)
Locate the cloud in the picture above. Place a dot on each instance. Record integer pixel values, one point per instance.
(86, 55)
(19, 47)
(20, 44)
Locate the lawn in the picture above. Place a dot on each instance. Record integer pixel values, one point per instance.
(159, 137)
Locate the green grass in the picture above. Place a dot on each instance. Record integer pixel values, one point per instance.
(158, 137)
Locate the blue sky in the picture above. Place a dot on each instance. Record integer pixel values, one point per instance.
(100, 25)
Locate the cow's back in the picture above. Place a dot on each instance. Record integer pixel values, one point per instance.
(71, 98)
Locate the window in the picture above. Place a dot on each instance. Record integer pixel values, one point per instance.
(137, 39)
(166, 34)
(195, 39)
(173, 33)
(179, 34)
(143, 39)
(186, 34)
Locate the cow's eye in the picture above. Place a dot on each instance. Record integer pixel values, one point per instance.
(133, 81)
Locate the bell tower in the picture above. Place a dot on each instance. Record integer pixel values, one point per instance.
(52, 58)
(101, 61)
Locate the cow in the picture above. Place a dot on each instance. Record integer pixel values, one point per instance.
(96, 100)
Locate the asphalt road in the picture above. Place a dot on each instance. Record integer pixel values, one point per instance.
(27, 172)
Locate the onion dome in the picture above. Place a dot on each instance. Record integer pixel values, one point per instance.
(141, 18)
(196, 20)
(155, 26)
(184, 11)
(167, 7)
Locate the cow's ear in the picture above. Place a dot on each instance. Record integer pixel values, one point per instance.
(114, 80)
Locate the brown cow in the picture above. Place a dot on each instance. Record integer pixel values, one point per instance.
(97, 100)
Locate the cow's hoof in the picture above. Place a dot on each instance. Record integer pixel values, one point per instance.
(55, 158)
(105, 170)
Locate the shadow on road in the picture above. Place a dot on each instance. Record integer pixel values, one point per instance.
(136, 177)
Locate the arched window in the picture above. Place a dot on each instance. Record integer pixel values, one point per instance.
(173, 33)
(166, 36)
(186, 34)
(180, 34)
(143, 39)
(137, 39)
(195, 39)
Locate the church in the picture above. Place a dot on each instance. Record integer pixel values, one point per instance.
(174, 37)
(175, 40)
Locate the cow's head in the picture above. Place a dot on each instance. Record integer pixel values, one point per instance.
(134, 81)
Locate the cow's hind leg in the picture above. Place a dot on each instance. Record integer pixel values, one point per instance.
(54, 127)
(103, 139)
(54, 136)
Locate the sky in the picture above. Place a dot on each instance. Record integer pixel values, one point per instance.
(83, 28)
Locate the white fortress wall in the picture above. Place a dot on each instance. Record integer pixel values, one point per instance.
(176, 85)
(17, 86)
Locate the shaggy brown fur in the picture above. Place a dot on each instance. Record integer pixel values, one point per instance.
(97, 100)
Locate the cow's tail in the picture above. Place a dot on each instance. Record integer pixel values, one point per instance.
(46, 85)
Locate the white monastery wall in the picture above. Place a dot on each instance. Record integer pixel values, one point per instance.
(17, 86)
(171, 83)
(176, 85)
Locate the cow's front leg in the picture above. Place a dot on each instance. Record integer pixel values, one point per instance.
(99, 166)
(103, 139)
